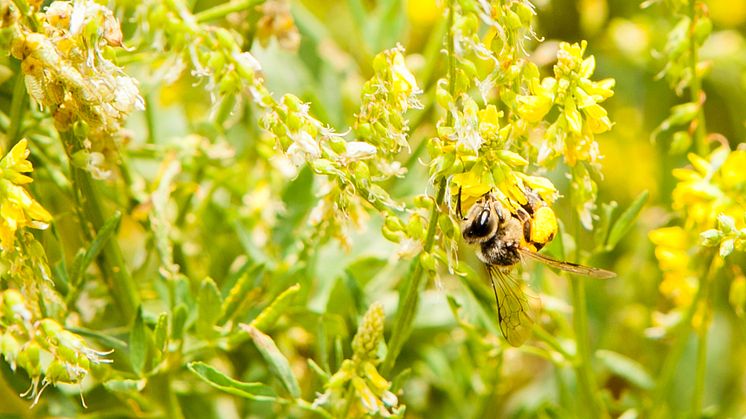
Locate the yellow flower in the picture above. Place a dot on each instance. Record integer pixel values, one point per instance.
(17, 208)
(533, 108)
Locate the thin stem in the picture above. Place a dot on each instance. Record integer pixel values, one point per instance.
(411, 291)
(17, 106)
(166, 394)
(695, 87)
(681, 333)
(409, 295)
(224, 9)
(91, 214)
(150, 118)
(583, 370)
(699, 376)
(701, 368)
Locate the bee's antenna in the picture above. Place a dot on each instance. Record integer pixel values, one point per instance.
(458, 207)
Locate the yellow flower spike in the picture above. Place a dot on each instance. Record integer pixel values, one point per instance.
(511, 158)
(366, 395)
(16, 158)
(732, 171)
(683, 174)
(369, 334)
(533, 108)
(699, 163)
(587, 67)
(595, 111)
(600, 125)
(17, 208)
(489, 120)
(678, 286)
(671, 259)
(380, 383)
(403, 80)
(572, 116)
(541, 185)
(674, 236)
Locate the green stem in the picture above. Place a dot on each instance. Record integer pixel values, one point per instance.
(695, 88)
(224, 9)
(583, 369)
(583, 357)
(150, 118)
(91, 214)
(163, 388)
(699, 377)
(17, 106)
(681, 334)
(701, 368)
(409, 294)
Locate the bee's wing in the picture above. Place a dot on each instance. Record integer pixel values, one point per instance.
(569, 266)
(513, 308)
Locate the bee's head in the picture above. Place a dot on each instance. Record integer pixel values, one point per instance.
(483, 220)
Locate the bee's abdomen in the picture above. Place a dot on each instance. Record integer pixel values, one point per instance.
(497, 251)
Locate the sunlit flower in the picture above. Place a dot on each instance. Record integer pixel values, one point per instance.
(18, 209)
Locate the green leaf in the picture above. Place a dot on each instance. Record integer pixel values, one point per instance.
(160, 334)
(209, 303)
(84, 259)
(252, 391)
(390, 24)
(277, 362)
(603, 225)
(138, 344)
(107, 341)
(626, 368)
(626, 220)
(179, 322)
(237, 295)
(268, 317)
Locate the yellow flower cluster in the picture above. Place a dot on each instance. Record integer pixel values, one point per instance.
(710, 199)
(18, 209)
(360, 375)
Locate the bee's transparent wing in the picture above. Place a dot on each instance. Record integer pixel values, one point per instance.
(514, 312)
(569, 266)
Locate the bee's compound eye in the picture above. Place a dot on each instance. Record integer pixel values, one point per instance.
(484, 218)
(481, 225)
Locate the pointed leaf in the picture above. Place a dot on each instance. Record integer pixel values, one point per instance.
(238, 293)
(252, 391)
(138, 344)
(626, 220)
(83, 260)
(179, 322)
(209, 303)
(277, 362)
(268, 317)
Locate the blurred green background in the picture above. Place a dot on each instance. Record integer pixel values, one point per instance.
(245, 207)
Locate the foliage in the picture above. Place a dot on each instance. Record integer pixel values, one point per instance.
(249, 208)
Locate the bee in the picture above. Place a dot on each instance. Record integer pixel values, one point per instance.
(503, 239)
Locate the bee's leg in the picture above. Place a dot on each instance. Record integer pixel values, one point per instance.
(527, 232)
(458, 205)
